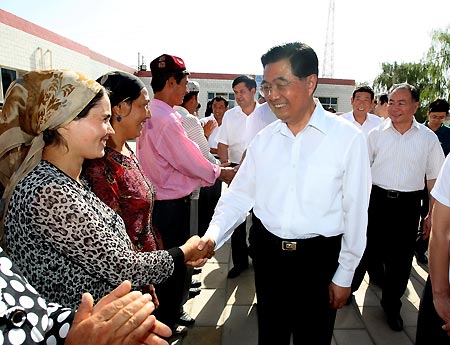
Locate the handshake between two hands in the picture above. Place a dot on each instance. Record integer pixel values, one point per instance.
(198, 250)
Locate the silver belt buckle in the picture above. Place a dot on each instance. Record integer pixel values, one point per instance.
(288, 245)
(393, 194)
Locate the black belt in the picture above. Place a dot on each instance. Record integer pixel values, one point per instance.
(263, 235)
(395, 194)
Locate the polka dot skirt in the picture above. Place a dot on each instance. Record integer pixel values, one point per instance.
(25, 318)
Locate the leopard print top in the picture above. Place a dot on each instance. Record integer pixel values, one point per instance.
(66, 241)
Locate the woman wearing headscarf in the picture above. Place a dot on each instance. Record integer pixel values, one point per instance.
(25, 316)
(63, 238)
(119, 181)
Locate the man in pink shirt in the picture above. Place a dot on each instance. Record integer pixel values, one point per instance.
(174, 164)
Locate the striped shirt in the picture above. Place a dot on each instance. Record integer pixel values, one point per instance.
(194, 131)
(400, 162)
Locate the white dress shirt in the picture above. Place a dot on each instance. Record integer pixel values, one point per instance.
(401, 161)
(315, 183)
(212, 139)
(441, 189)
(370, 123)
(260, 118)
(232, 132)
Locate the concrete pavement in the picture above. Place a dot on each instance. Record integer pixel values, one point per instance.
(225, 310)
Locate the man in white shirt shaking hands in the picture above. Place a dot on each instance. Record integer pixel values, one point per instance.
(307, 178)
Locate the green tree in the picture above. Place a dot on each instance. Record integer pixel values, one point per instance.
(431, 75)
(438, 58)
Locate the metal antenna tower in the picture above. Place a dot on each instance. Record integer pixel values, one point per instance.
(328, 58)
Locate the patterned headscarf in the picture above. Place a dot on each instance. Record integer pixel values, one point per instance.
(40, 100)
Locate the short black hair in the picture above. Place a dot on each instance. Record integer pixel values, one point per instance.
(219, 99)
(415, 94)
(159, 81)
(250, 83)
(303, 58)
(439, 105)
(364, 88)
(383, 98)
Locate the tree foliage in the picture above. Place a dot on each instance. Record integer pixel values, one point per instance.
(431, 75)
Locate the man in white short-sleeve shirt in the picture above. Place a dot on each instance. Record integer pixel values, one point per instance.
(231, 146)
(402, 152)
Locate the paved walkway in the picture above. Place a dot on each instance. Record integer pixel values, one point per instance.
(225, 310)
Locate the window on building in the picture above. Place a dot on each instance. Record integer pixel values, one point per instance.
(228, 96)
(329, 102)
(8, 76)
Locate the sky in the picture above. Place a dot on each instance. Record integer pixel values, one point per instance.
(230, 36)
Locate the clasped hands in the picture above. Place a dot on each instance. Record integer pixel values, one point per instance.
(198, 250)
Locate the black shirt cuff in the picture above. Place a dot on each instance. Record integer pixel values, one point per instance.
(177, 256)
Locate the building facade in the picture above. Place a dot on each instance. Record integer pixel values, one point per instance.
(25, 46)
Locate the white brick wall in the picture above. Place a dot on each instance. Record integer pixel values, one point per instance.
(22, 51)
(342, 92)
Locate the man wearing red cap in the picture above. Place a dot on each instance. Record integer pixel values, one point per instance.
(174, 164)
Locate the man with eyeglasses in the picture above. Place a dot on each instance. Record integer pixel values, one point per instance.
(307, 178)
(437, 111)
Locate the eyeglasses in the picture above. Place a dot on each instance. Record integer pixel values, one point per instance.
(280, 86)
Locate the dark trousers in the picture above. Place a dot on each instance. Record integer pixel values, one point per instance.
(391, 235)
(171, 218)
(371, 261)
(421, 244)
(239, 247)
(207, 201)
(429, 323)
(298, 303)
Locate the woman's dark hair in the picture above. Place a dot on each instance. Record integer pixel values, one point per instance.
(52, 137)
(122, 87)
